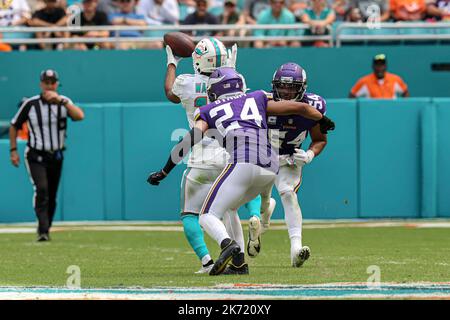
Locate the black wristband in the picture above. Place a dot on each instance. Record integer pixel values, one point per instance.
(12, 149)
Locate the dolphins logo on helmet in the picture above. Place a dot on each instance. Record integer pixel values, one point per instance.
(209, 54)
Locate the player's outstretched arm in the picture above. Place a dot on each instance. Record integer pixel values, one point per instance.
(180, 151)
(287, 107)
(171, 75)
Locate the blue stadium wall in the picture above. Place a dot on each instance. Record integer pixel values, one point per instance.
(385, 159)
(137, 76)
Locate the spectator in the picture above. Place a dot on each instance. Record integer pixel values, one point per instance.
(4, 47)
(276, 14)
(369, 8)
(253, 8)
(91, 16)
(341, 8)
(319, 17)
(298, 6)
(380, 84)
(52, 15)
(158, 12)
(408, 10)
(201, 16)
(127, 16)
(186, 8)
(353, 15)
(14, 13)
(231, 15)
(439, 9)
(109, 6)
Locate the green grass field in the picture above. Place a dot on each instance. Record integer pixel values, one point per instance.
(163, 258)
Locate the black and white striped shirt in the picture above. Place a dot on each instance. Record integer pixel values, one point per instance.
(47, 123)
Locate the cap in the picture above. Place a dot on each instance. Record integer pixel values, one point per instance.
(49, 74)
(380, 58)
(231, 1)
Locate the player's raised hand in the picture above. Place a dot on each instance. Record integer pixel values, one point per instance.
(326, 124)
(232, 56)
(302, 157)
(155, 177)
(171, 58)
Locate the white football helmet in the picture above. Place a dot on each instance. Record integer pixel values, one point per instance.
(209, 54)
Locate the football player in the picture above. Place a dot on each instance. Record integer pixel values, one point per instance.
(207, 159)
(240, 120)
(289, 84)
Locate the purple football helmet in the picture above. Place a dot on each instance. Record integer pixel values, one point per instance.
(289, 82)
(224, 81)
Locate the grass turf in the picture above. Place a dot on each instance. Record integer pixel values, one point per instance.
(146, 259)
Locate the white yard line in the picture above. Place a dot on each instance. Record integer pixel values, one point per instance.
(176, 227)
(237, 291)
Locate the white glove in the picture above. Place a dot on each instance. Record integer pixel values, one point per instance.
(171, 59)
(232, 56)
(303, 157)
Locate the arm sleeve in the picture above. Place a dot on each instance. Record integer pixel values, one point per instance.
(179, 86)
(323, 110)
(402, 84)
(21, 116)
(201, 114)
(182, 148)
(357, 87)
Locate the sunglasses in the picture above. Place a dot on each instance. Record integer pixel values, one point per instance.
(49, 81)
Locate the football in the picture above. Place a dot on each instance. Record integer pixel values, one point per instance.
(181, 44)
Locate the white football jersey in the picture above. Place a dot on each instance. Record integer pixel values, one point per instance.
(191, 89)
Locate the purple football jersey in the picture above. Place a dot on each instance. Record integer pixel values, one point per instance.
(293, 129)
(241, 124)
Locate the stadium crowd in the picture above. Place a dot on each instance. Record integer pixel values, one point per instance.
(320, 15)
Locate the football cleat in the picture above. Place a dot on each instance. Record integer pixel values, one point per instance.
(265, 216)
(301, 257)
(43, 237)
(225, 257)
(233, 270)
(254, 239)
(206, 268)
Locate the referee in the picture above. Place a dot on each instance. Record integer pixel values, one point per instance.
(46, 116)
